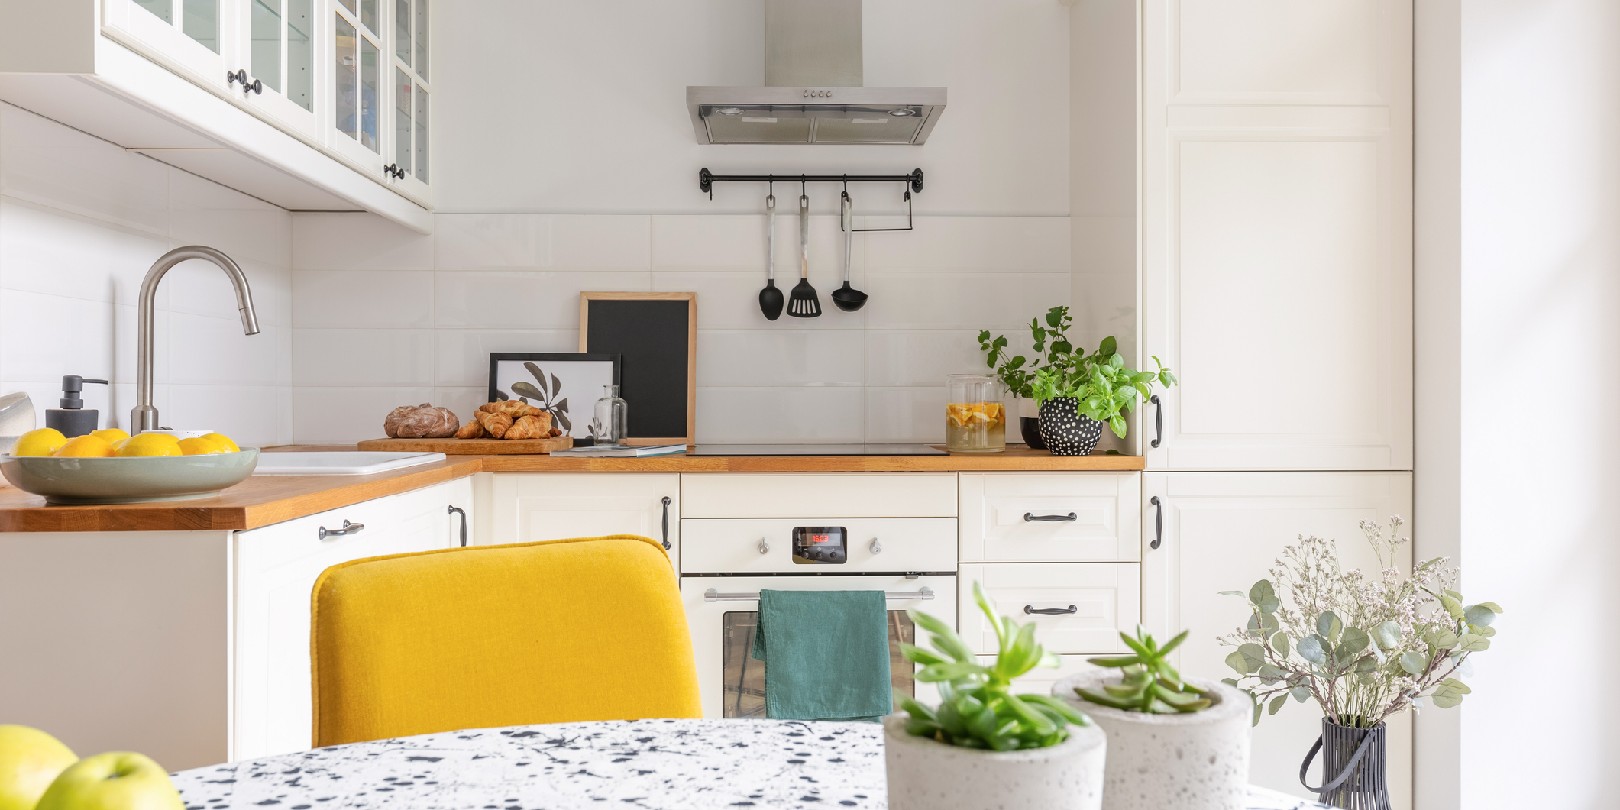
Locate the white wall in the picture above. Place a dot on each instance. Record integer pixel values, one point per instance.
(1518, 291)
(566, 162)
(80, 222)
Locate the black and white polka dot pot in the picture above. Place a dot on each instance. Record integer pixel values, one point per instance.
(1065, 431)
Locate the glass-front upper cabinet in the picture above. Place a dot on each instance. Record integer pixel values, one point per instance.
(191, 37)
(278, 69)
(411, 169)
(356, 101)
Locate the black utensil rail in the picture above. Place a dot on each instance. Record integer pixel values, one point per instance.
(707, 179)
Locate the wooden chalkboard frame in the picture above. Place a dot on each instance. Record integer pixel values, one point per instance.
(585, 300)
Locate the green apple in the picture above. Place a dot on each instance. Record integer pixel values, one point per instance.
(29, 760)
(119, 780)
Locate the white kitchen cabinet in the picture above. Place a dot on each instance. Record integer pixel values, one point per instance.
(276, 569)
(1077, 608)
(1050, 517)
(525, 507)
(292, 101)
(1221, 532)
(1276, 233)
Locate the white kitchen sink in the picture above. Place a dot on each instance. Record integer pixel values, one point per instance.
(339, 462)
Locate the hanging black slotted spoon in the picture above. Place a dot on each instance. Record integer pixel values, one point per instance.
(846, 297)
(770, 298)
(804, 303)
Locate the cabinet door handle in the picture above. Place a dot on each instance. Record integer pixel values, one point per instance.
(256, 87)
(666, 502)
(764, 546)
(348, 528)
(877, 548)
(240, 75)
(1158, 522)
(1158, 420)
(1031, 610)
(456, 510)
(1069, 518)
(393, 170)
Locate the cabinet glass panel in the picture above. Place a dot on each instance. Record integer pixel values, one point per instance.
(301, 53)
(350, 5)
(201, 22)
(402, 30)
(164, 9)
(265, 30)
(402, 120)
(346, 107)
(744, 675)
(422, 39)
(370, 91)
(421, 134)
(368, 14)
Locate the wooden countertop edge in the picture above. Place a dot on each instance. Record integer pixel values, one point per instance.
(267, 500)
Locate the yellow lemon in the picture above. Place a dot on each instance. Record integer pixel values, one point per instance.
(41, 442)
(201, 446)
(151, 444)
(224, 441)
(85, 447)
(112, 435)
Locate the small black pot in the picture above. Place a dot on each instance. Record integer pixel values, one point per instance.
(1065, 431)
(1030, 428)
(1354, 763)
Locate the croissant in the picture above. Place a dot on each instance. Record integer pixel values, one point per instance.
(496, 424)
(511, 407)
(528, 427)
(473, 429)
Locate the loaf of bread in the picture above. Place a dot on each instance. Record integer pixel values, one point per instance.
(421, 422)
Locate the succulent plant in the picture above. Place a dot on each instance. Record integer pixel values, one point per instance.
(977, 708)
(1148, 684)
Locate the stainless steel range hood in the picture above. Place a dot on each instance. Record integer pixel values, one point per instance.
(813, 92)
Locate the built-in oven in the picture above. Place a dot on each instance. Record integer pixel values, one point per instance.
(725, 563)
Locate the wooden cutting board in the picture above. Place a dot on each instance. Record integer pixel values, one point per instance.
(470, 447)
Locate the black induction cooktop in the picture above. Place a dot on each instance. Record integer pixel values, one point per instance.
(815, 450)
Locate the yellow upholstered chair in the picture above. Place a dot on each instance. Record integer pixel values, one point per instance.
(565, 630)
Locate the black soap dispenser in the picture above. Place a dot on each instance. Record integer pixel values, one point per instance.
(72, 418)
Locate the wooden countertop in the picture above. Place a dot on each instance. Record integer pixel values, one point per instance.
(264, 500)
(259, 501)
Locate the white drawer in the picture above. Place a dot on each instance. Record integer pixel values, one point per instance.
(1090, 517)
(1106, 597)
(714, 546)
(844, 495)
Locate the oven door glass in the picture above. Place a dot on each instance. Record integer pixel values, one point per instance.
(743, 676)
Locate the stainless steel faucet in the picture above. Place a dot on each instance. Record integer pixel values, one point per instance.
(145, 415)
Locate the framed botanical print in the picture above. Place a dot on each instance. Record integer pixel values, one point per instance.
(565, 385)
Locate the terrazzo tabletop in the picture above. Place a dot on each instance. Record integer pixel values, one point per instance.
(658, 764)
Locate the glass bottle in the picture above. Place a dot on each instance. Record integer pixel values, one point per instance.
(611, 417)
(975, 421)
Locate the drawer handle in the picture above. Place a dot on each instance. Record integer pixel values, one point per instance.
(1158, 421)
(348, 528)
(877, 548)
(1030, 517)
(456, 510)
(666, 502)
(1158, 522)
(764, 547)
(1031, 610)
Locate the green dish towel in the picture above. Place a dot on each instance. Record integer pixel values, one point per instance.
(826, 654)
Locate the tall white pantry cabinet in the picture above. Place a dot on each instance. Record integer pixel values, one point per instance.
(1275, 202)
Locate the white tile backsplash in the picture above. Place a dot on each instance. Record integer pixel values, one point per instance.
(511, 282)
(80, 222)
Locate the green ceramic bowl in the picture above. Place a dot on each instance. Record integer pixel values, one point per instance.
(136, 479)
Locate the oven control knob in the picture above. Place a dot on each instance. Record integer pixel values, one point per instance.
(814, 554)
(835, 556)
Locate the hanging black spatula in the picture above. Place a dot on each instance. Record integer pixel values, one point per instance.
(770, 298)
(804, 303)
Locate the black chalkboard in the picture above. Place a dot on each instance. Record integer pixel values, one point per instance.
(656, 334)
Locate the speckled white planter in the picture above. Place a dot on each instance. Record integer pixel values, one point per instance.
(1185, 761)
(927, 775)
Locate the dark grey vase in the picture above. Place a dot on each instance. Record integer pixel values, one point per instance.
(1065, 431)
(1030, 428)
(1354, 766)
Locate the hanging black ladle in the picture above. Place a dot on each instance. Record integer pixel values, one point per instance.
(847, 298)
(770, 298)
